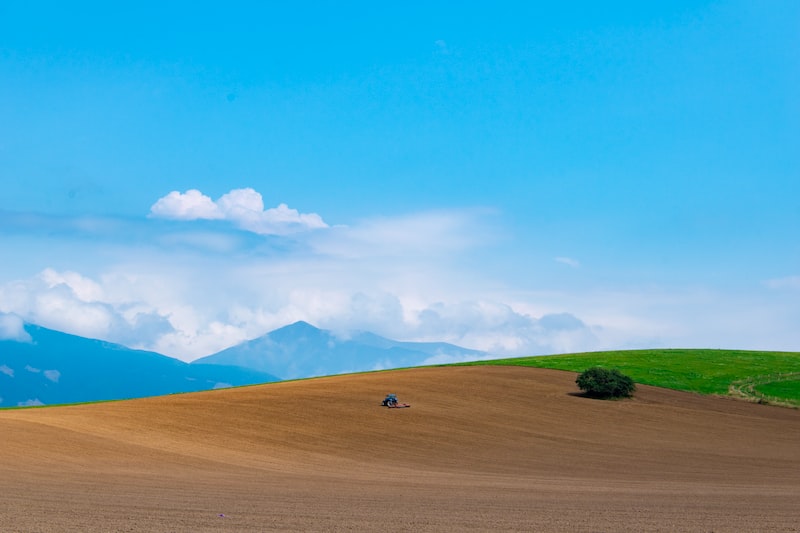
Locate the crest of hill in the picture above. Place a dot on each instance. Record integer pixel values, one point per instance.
(508, 421)
(481, 449)
(301, 350)
(55, 367)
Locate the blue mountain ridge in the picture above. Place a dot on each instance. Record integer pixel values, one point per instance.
(301, 350)
(57, 367)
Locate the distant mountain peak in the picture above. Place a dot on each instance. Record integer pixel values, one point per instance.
(297, 331)
(301, 350)
(299, 325)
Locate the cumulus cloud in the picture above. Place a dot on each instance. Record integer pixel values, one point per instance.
(243, 207)
(12, 328)
(57, 304)
(560, 322)
(499, 329)
(30, 403)
(7, 370)
(32, 370)
(52, 375)
(83, 288)
(74, 303)
(482, 324)
(191, 205)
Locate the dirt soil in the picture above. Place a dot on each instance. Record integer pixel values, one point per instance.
(481, 449)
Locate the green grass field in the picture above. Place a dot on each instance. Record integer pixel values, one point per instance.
(781, 389)
(770, 375)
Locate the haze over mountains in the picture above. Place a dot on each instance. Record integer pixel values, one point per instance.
(302, 350)
(53, 367)
(49, 367)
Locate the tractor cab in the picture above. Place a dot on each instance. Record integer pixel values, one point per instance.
(390, 400)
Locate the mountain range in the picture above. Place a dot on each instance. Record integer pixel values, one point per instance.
(301, 350)
(51, 367)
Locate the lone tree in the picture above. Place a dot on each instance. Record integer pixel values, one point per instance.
(605, 383)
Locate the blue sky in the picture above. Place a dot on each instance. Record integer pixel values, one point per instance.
(513, 177)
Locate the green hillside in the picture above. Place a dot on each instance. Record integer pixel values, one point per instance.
(773, 377)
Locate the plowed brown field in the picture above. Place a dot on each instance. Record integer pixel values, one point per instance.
(482, 449)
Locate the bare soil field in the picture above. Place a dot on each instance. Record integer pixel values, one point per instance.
(481, 449)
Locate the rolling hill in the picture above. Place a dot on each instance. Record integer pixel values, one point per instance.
(766, 377)
(55, 367)
(482, 449)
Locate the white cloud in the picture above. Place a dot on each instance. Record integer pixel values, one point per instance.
(243, 207)
(483, 324)
(30, 403)
(83, 288)
(33, 370)
(8, 371)
(12, 328)
(73, 303)
(241, 203)
(52, 375)
(500, 329)
(191, 205)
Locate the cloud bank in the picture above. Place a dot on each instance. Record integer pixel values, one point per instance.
(191, 289)
(180, 283)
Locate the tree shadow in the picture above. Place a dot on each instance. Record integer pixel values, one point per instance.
(588, 396)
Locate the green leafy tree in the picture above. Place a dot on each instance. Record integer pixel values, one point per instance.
(599, 382)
